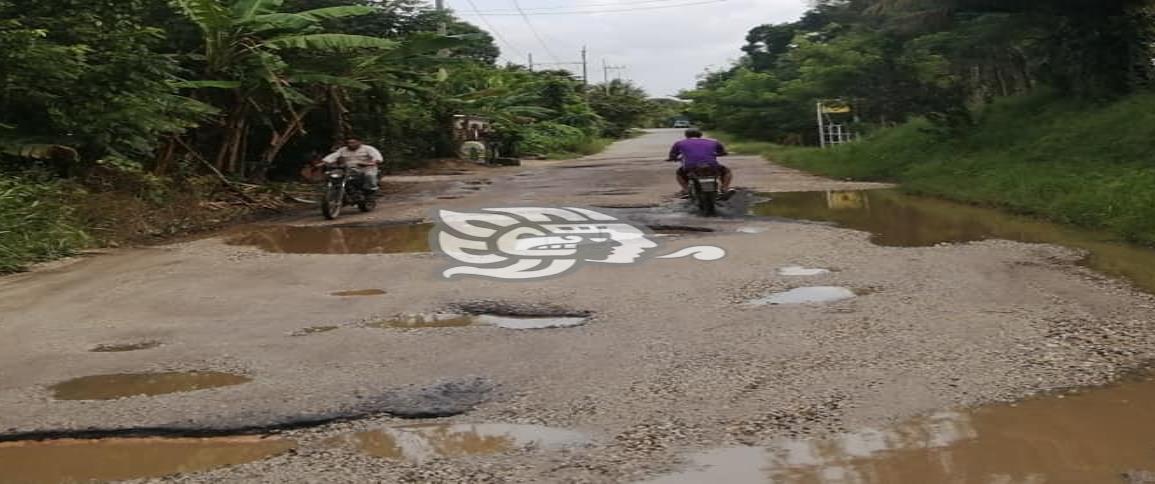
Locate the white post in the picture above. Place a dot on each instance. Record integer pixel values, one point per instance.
(821, 127)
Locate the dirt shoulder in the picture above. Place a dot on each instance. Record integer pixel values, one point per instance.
(672, 361)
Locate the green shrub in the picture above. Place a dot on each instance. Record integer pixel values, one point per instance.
(1085, 164)
(34, 223)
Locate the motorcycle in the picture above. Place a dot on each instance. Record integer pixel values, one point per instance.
(705, 193)
(344, 187)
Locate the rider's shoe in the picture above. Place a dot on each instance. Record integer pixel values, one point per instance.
(683, 195)
(728, 195)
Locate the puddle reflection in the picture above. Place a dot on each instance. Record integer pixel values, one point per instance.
(424, 442)
(61, 461)
(111, 387)
(1086, 438)
(384, 239)
(900, 220)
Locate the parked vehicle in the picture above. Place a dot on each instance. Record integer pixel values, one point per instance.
(681, 123)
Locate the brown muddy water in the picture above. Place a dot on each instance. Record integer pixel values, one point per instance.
(380, 239)
(899, 220)
(360, 293)
(66, 461)
(452, 320)
(1088, 437)
(111, 387)
(419, 443)
(125, 347)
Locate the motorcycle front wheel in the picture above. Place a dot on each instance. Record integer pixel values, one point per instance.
(332, 202)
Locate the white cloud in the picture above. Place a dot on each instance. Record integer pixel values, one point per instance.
(664, 49)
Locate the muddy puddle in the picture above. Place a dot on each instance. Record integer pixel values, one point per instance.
(419, 443)
(111, 387)
(799, 271)
(314, 330)
(452, 320)
(67, 461)
(359, 293)
(806, 295)
(125, 347)
(1091, 437)
(380, 239)
(899, 220)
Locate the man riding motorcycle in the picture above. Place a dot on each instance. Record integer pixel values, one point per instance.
(700, 154)
(361, 157)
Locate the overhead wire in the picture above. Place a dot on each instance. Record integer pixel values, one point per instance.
(536, 34)
(492, 29)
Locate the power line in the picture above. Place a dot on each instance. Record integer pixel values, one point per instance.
(526, 15)
(533, 29)
(492, 29)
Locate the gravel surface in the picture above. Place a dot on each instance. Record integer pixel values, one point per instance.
(671, 362)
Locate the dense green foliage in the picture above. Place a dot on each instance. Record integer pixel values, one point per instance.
(1042, 154)
(893, 60)
(34, 224)
(163, 91)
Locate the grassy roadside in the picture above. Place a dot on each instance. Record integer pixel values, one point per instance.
(1087, 165)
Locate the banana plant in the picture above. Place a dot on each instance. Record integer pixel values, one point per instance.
(249, 50)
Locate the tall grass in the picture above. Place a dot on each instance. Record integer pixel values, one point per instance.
(1089, 165)
(35, 225)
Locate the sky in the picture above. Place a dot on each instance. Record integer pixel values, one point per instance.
(664, 45)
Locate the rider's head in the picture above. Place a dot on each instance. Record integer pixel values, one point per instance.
(693, 133)
(353, 142)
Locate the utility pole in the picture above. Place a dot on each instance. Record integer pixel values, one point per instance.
(442, 28)
(585, 68)
(606, 68)
(531, 61)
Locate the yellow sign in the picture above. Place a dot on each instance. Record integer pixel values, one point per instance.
(835, 108)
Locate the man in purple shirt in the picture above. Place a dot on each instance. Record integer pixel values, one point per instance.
(700, 155)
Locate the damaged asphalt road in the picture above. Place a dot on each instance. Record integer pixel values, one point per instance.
(672, 362)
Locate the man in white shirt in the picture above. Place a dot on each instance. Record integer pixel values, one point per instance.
(361, 157)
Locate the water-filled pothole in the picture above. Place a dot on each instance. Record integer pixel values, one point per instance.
(806, 295)
(799, 271)
(125, 347)
(379, 239)
(315, 330)
(455, 320)
(627, 206)
(1093, 436)
(111, 387)
(679, 229)
(60, 461)
(896, 219)
(425, 320)
(424, 442)
(360, 293)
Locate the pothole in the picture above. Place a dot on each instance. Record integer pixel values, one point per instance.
(419, 443)
(360, 293)
(679, 229)
(425, 320)
(380, 239)
(806, 295)
(799, 271)
(314, 330)
(125, 347)
(123, 385)
(71, 460)
(627, 206)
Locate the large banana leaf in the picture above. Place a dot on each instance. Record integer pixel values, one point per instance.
(209, 15)
(330, 42)
(247, 10)
(302, 20)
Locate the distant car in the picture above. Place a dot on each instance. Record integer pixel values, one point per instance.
(681, 123)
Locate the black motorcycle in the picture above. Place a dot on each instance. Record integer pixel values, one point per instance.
(704, 190)
(345, 187)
